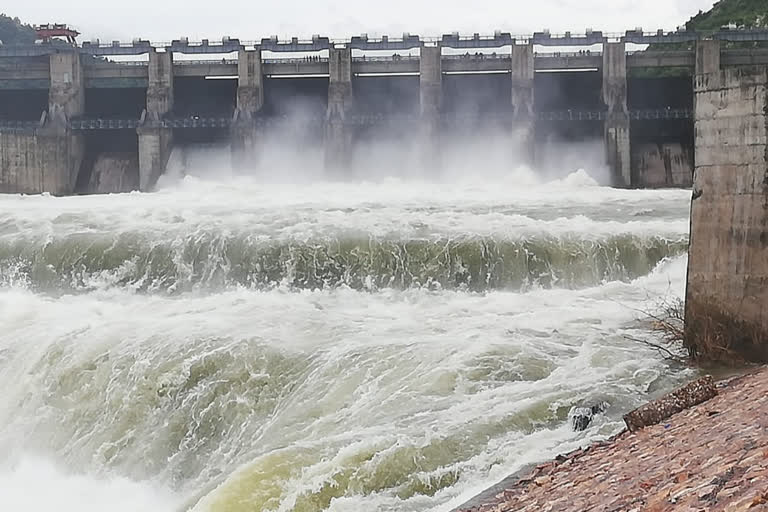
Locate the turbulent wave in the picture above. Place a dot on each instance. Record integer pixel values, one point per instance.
(242, 347)
(214, 261)
(317, 400)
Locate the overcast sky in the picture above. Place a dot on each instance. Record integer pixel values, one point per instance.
(163, 20)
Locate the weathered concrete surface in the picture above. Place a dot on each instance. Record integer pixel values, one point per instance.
(712, 457)
(522, 73)
(155, 146)
(250, 82)
(338, 136)
(160, 89)
(662, 165)
(617, 141)
(707, 56)
(431, 82)
(66, 97)
(431, 104)
(156, 143)
(44, 161)
(250, 100)
(114, 173)
(727, 292)
(48, 159)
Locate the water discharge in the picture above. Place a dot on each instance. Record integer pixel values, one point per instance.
(394, 345)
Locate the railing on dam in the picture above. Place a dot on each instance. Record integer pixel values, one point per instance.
(132, 124)
(11, 126)
(406, 42)
(634, 115)
(201, 122)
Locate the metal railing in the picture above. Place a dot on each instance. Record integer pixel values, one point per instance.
(600, 115)
(358, 119)
(104, 124)
(555, 55)
(297, 60)
(8, 126)
(386, 58)
(209, 62)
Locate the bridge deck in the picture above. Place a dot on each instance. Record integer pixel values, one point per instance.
(22, 74)
(407, 42)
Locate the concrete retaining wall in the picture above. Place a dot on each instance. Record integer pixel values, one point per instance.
(727, 295)
(114, 173)
(31, 163)
(662, 165)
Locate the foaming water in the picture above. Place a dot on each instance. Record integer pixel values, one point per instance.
(36, 485)
(393, 346)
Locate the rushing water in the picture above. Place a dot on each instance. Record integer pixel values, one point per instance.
(230, 346)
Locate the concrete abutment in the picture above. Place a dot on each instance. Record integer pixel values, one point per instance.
(727, 286)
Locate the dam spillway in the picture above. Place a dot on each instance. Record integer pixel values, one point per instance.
(54, 99)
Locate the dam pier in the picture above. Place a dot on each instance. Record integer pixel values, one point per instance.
(106, 117)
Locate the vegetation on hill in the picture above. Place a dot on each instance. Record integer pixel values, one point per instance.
(738, 13)
(13, 31)
(742, 13)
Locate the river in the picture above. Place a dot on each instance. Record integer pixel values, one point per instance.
(231, 345)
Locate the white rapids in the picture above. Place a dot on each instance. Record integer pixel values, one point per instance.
(234, 346)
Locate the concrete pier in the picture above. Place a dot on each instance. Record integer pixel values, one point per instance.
(48, 158)
(430, 101)
(338, 135)
(707, 56)
(522, 73)
(727, 293)
(155, 141)
(66, 97)
(617, 142)
(250, 100)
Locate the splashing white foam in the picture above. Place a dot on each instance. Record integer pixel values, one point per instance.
(36, 485)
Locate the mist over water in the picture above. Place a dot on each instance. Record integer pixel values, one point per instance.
(388, 338)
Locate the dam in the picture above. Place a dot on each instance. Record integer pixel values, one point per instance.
(229, 343)
(106, 117)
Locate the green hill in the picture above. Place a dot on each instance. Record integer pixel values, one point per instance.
(746, 13)
(12, 31)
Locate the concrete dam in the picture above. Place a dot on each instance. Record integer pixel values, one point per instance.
(355, 340)
(105, 117)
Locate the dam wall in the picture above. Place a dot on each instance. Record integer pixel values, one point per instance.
(513, 90)
(662, 165)
(727, 292)
(44, 161)
(113, 173)
(48, 158)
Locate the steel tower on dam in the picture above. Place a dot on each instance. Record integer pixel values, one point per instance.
(105, 117)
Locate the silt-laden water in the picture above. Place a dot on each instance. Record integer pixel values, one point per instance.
(231, 346)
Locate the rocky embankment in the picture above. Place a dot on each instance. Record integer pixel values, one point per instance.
(713, 457)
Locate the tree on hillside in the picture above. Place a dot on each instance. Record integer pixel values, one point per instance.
(746, 13)
(13, 31)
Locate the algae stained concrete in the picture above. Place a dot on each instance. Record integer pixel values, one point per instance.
(338, 136)
(727, 293)
(662, 165)
(42, 161)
